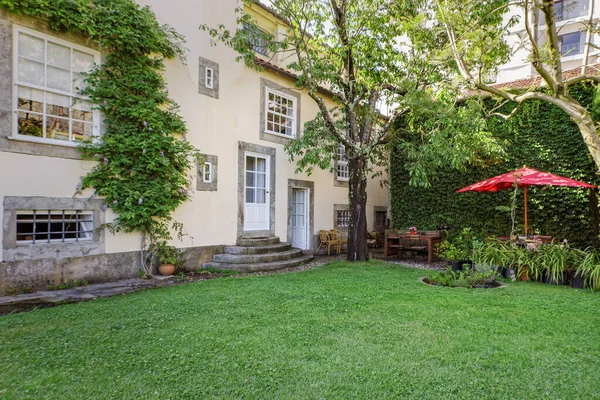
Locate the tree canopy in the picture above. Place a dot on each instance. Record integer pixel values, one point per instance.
(365, 55)
(475, 45)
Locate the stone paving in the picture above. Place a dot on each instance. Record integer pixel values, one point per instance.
(47, 298)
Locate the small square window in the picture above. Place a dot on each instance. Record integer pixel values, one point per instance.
(207, 172)
(209, 77)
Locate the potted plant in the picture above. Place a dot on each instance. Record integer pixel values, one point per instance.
(413, 230)
(168, 257)
(452, 253)
(589, 269)
(554, 262)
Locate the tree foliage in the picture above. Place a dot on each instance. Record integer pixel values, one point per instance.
(363, 55)
(474, 36)
(144, 161)
(539, 135)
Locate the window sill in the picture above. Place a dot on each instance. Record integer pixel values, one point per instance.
(51, 142)
(280, 135)
(276, 138)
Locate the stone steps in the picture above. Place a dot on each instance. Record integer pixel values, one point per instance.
(253, 254)
(257, 241)
(270, 266)
(257, 249)
(257, 258)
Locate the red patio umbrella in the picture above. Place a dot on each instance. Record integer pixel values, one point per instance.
(523, 177)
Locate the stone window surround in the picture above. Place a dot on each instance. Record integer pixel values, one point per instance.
(15, 252)
(295, 184)
(272, 137)
(204, 63)
(336, 208)
(8, 142)
(244, 147)
(211, 186)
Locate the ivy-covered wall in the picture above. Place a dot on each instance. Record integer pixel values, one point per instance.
(540, 136)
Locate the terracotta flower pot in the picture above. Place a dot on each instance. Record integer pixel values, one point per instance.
(523, 276)
(166, 269)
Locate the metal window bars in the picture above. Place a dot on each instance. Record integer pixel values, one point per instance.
(54, 226)
(257, 38)
(343, 218)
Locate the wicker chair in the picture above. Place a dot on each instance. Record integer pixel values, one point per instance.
(328, 241)
(336, 236)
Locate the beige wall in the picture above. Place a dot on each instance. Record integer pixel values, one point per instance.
(214, 125)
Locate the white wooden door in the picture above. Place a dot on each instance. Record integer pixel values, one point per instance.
(300, 218)
(256, 208)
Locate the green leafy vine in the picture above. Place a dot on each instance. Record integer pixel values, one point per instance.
(144, 159)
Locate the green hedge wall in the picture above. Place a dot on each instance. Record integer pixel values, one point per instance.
(540, 136)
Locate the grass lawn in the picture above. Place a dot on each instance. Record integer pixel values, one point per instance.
(341, 331)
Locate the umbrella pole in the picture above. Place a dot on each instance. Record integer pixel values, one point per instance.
(525, 207)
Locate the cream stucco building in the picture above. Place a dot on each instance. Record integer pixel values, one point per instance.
(239, 118)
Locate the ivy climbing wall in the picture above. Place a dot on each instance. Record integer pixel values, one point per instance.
(540, 136)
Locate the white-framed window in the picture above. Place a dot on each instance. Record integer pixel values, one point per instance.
(281, 113)
(342, 165)
(54, 226)
(207, 173)
(209, 77)
(48, 74)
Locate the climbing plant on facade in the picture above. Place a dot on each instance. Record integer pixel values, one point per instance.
(144, 159)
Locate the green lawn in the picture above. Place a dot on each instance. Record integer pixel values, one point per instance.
(341, 331)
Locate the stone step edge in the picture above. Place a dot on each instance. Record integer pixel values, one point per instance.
(257, 258)
(271, 248)
(272, 266)
(259, 241)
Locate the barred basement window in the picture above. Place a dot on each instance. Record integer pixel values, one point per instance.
(342, 165)
(343, 218)
(54, 226)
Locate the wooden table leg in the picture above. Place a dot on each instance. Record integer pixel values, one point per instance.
(429, 250)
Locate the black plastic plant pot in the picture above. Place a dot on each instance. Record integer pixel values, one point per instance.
(577, 281)
(456, 265)
(549, 280)
(508, 272)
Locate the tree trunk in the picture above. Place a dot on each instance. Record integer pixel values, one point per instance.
(582, 118)
(586, 126)
(357, 200)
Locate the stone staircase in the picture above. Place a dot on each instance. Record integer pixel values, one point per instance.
(251, 254)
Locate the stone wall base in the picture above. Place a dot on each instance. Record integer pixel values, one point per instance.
(31, 275)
